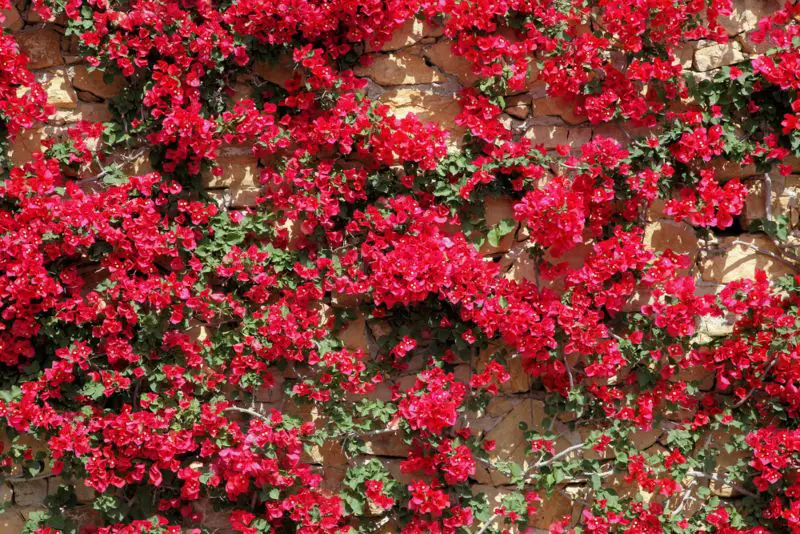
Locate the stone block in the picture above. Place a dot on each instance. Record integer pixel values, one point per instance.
(42, 46)
(737, 259)
(94, 82)
(399, 68)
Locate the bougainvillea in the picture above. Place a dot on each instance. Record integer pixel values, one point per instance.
(183, 361)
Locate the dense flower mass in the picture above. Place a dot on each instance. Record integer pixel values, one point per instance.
(363, 347)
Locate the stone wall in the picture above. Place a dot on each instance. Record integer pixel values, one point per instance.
(416, 73)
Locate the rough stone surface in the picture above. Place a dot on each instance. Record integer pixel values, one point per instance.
(59, 90)
(86, 111)
(497, 209)
(427, 106)
(11, 522)
(411, 33)
(399, 68)
(718, 55)
(668, 235)
(30, 493)
(553, 136)
(42, 46)
(784, 199)
(22, 148)
(738, 259)
(238, 171)
(13, 21)
(556, 107)
(510, 441)
(745, 15)
(441, 55)
(94, 82)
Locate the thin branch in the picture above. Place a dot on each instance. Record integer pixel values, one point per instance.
(765, 252)
(487, 524)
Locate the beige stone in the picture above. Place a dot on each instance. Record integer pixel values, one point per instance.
(510, 440)
(718, 55)
(27, 142)
(399, 68)
(84, 111)
(386, 444)
(745, 15)
(30, 493)
(785, 199)
(556, 107)
(518, 111)
(237, 171)
(59, 91)
(738, 259)
(354, 335)
(427, 106)
(442, 56)
(519, 382)
(138, 166)
(668, 235)
(552, 136)
(726, 170)
(244, 197)
(42, 46)
(13, 21)
(11, 522)
(410, 33)
(329, 453)
(94, 82)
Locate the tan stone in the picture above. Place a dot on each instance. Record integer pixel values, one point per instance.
(94, 82)
(442, 56)
(84, 111)
(354, 335)
(42, 46)
(726, 170)
(278, 72)
(410, 33)
(30, 493)
(684, 54)
(11, 522)
(427, 106)
(237, 171)
(6, 494)
(745, 14)
(718, 55)
(495, 210)
(785, 194)
(520, 380)
(552, 136)
(59, 91)
(667, 235)
(83, 493)
(138, 166)
(27, 142)
(736, 260)
(399, 68)
(386, 444)
(518, 111)
(556, 107)
(329, 453)
(13, 21)
(510, 440)
(244, 197)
